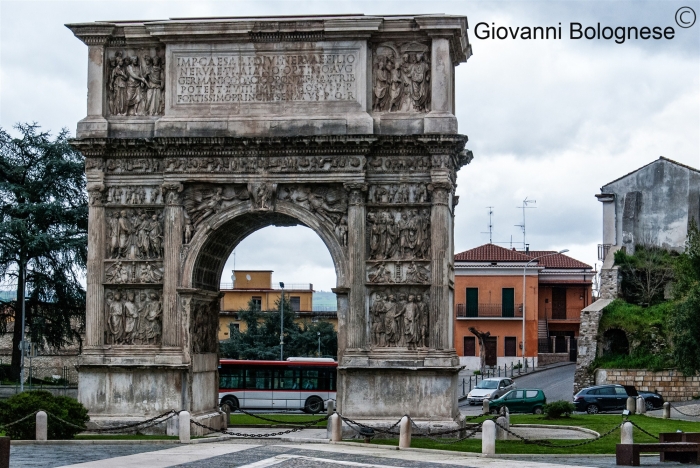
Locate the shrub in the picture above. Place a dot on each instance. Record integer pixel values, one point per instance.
(25, 403)
(558, 409)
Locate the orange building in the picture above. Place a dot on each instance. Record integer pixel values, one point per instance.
(489, 298)
(256, 286)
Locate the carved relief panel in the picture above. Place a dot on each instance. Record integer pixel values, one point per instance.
(328, 202)
(272, 164)
(134, 233)
(134, 195)
(134, 272)
(398, 193)
(134, 316)
(204, 326)
(401, 77)
(413, 272)
(135, 81)
(399, 317)
(202, 201)
(398, 234)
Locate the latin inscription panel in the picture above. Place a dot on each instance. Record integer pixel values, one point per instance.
(265, 77)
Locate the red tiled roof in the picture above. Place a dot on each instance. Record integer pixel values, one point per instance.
(494, 253)
(491, 253)
(557, 260)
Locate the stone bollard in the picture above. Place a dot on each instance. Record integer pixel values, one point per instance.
(226, 415)
(4, 452)
(631, 404)
(501, 433)
(336, 428)
(405, 433)
(485, 406)
(641, 405)
(488, 438)
(626, 436)
(41, 425)
(667, 410)
(507, 417)
(184, 428)
(330, 407)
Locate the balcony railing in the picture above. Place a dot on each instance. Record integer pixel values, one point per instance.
(490, 311)
(603, 250)
(570, 314)
(287, 286)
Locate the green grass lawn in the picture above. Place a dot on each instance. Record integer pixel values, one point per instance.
(598, 423)
(239, 419)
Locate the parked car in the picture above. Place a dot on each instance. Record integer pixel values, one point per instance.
(612, 398)
(490, 388)
(526, 400)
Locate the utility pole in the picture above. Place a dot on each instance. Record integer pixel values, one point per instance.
(282, 323)
(490, 225)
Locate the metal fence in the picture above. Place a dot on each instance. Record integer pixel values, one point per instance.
(490, 310)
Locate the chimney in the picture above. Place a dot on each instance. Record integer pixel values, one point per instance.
(527, 247)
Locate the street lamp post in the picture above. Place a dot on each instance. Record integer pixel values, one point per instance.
(282, 323)
(319, 343)
(524, 273)
(22, 344)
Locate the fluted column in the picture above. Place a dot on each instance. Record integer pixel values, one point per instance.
(172, 243)
(440, 250)
(358, 325)
(94, 317)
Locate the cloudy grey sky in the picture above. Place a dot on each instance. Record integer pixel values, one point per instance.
(549, 120)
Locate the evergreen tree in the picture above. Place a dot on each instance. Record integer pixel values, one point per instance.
(43, 234)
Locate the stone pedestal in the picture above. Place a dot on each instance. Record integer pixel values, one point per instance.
(199, 133)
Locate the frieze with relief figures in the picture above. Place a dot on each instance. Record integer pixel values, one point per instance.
(399, 317)
(134, 316)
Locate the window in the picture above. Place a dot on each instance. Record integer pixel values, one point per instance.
(234, 326)
(517, 394)
(510, 344)
(295, 302)
(309, 379)
(508, 302)
(606, 391)
(472, 302)
(558, 303)
(470, 346)
(531, 393)
(257, 302)
(230, 378)
(287, 379)
(258, 379)
(620, 391)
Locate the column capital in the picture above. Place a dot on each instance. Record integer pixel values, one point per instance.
(171, 192)
(96, 194)
(357, 192)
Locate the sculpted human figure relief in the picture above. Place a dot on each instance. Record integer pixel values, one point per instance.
(136, 83)
(328, 202)
(399, 318)
(134, 234)
(202, 201)
(134, 317)
(403, 193)
(401, 77)
(399, 234)
(256, 164)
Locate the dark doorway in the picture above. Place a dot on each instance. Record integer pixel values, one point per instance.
(510, 346)
(491, 356)
(573, 350)
(558, 303)
(470, 346)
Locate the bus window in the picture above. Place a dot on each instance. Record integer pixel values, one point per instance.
(309, 379)
(286, 379)
(230, 378)
(258, 379)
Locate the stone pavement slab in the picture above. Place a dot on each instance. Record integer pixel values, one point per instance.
(51, 456)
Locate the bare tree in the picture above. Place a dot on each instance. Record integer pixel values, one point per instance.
(481, 336)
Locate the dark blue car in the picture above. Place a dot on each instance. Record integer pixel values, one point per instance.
(600, 398)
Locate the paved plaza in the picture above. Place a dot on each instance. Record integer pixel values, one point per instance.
(235, 453)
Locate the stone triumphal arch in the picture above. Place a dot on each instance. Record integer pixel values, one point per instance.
(202, 131)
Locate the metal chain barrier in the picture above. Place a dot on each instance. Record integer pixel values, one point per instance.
(280, 422)
(350, 424)
(133, 427)
(685, 414)
(433, 436)
(254, 436)
(546, 443)
(19, 420)
(641, 429)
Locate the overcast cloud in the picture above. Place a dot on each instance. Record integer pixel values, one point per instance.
(551, 120)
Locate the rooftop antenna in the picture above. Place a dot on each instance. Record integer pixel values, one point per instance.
(526, 202)
(490, 225)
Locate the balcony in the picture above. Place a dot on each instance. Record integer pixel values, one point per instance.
(563, 314)
(493, 311)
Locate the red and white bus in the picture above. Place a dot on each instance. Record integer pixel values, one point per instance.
(297, 383)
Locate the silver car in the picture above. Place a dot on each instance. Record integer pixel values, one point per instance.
(491, 388)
